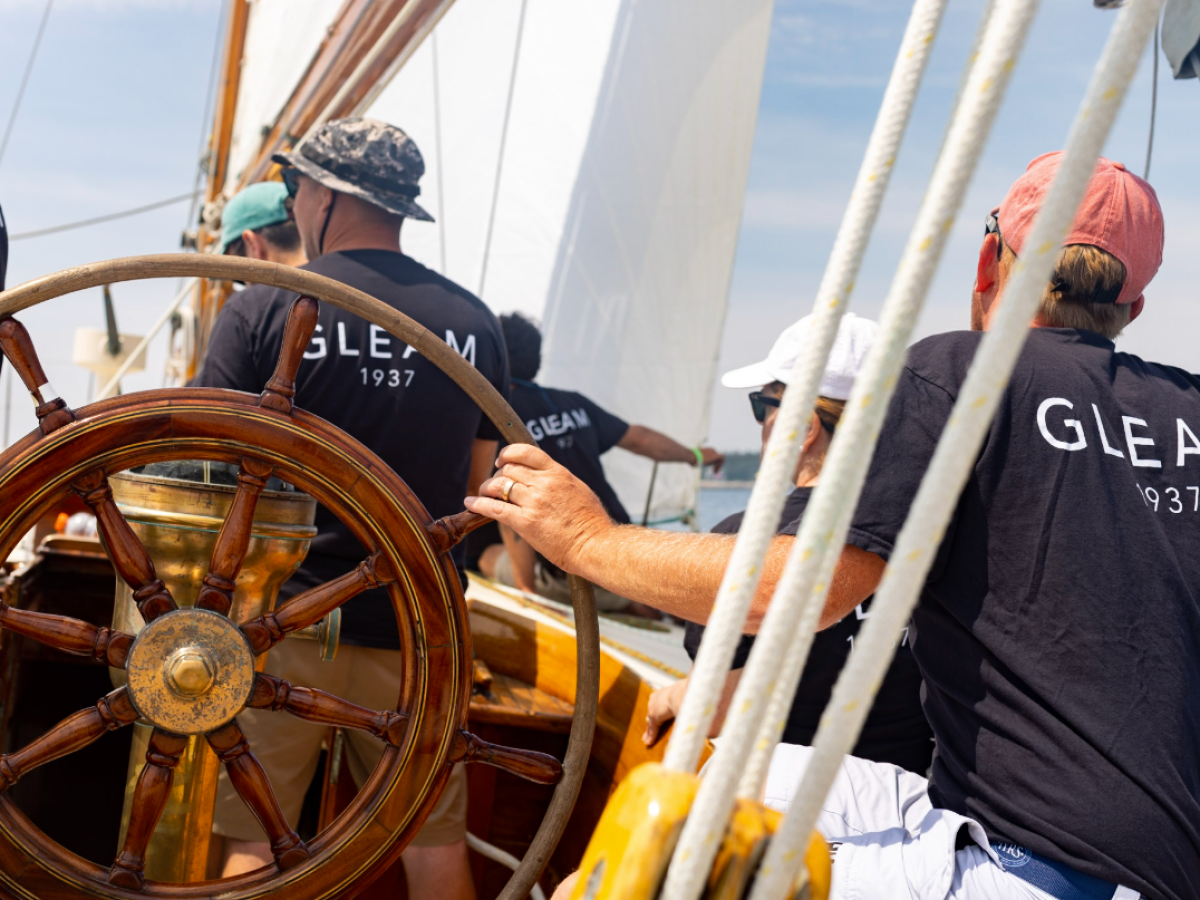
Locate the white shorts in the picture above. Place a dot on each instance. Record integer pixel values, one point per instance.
(891, 842)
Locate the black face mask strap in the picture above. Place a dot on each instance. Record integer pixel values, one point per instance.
(325, 227)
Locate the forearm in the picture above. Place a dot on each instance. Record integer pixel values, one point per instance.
(522, 558)
(679, 573)
(655, 445)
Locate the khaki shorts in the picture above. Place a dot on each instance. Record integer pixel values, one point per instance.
(556, 588)
(289, 748)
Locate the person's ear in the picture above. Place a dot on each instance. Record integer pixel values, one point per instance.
(987, 270)
(814, 431)
(1136, 308)
(255, 246)
(325, 199)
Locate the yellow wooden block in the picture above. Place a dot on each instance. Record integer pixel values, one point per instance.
(633, 843)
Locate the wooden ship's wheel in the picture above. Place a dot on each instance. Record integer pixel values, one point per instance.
(190, 671)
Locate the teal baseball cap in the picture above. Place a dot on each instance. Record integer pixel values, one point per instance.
(256, 207)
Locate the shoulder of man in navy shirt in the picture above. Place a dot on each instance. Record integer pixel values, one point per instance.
(575, 430)
(1058, 630)
(359, 377)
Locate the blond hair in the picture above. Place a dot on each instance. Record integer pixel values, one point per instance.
(829, 412)
(1083, 290)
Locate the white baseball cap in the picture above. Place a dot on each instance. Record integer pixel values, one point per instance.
(850, 347)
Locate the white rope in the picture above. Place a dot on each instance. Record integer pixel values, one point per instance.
(740, 581)
(795, 609)
(707, 678)
(774, 717)
(495, 854)
(958, 447)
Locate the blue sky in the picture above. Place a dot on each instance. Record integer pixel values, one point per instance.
(113, 118)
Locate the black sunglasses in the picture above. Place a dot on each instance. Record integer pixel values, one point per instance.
(760, 403)
(291, 179)
(992, 226)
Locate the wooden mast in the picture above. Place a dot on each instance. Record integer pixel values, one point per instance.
(366, 42)
(210, 295)
(335, 75)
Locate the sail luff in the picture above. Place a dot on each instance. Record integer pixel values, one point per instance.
(209, 296)
(227, 97)
(338, 83)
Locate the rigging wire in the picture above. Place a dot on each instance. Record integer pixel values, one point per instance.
(12, 116)
(1153, 100)
(512, 84)
(83, 223)
(437, 135)
(206, 120)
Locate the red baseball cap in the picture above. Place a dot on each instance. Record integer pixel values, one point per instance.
(1119, 214)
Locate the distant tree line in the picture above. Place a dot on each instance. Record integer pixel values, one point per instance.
(740, 467)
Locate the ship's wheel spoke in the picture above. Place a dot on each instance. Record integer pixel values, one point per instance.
(540, 768)
(248, 778)
(52, 411)
(69, 635)
(149, 800)
(314, 604)
(326, 709)
(128, 556)
(216, 593)
(447, 531)
(73, 733)
(301, 322)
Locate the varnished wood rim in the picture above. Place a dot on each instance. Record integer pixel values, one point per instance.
(187, 265)
(383, 514)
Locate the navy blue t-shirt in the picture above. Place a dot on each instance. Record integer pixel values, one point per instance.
(1059, 630)
(377, 389)
(895, 731)
(575, 432)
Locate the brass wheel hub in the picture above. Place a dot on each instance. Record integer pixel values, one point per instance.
(190, 671)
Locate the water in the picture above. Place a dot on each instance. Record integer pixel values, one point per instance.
(715, 504)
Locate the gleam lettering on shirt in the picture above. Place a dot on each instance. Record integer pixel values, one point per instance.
(1070, 434)
(555, 424)
(379, 345)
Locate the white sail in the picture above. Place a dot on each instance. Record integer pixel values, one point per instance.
(613, 211)
(282, 37)
(618, 199)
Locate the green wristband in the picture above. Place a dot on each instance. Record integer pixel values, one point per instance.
(699, 457)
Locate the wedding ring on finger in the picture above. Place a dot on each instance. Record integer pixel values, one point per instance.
(506, 490)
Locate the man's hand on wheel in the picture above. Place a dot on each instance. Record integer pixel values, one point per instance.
(547, 506)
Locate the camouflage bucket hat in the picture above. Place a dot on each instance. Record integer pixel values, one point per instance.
(365, 158)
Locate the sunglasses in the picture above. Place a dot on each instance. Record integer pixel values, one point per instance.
(992, 226)
(760, 403)
(291, 180)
